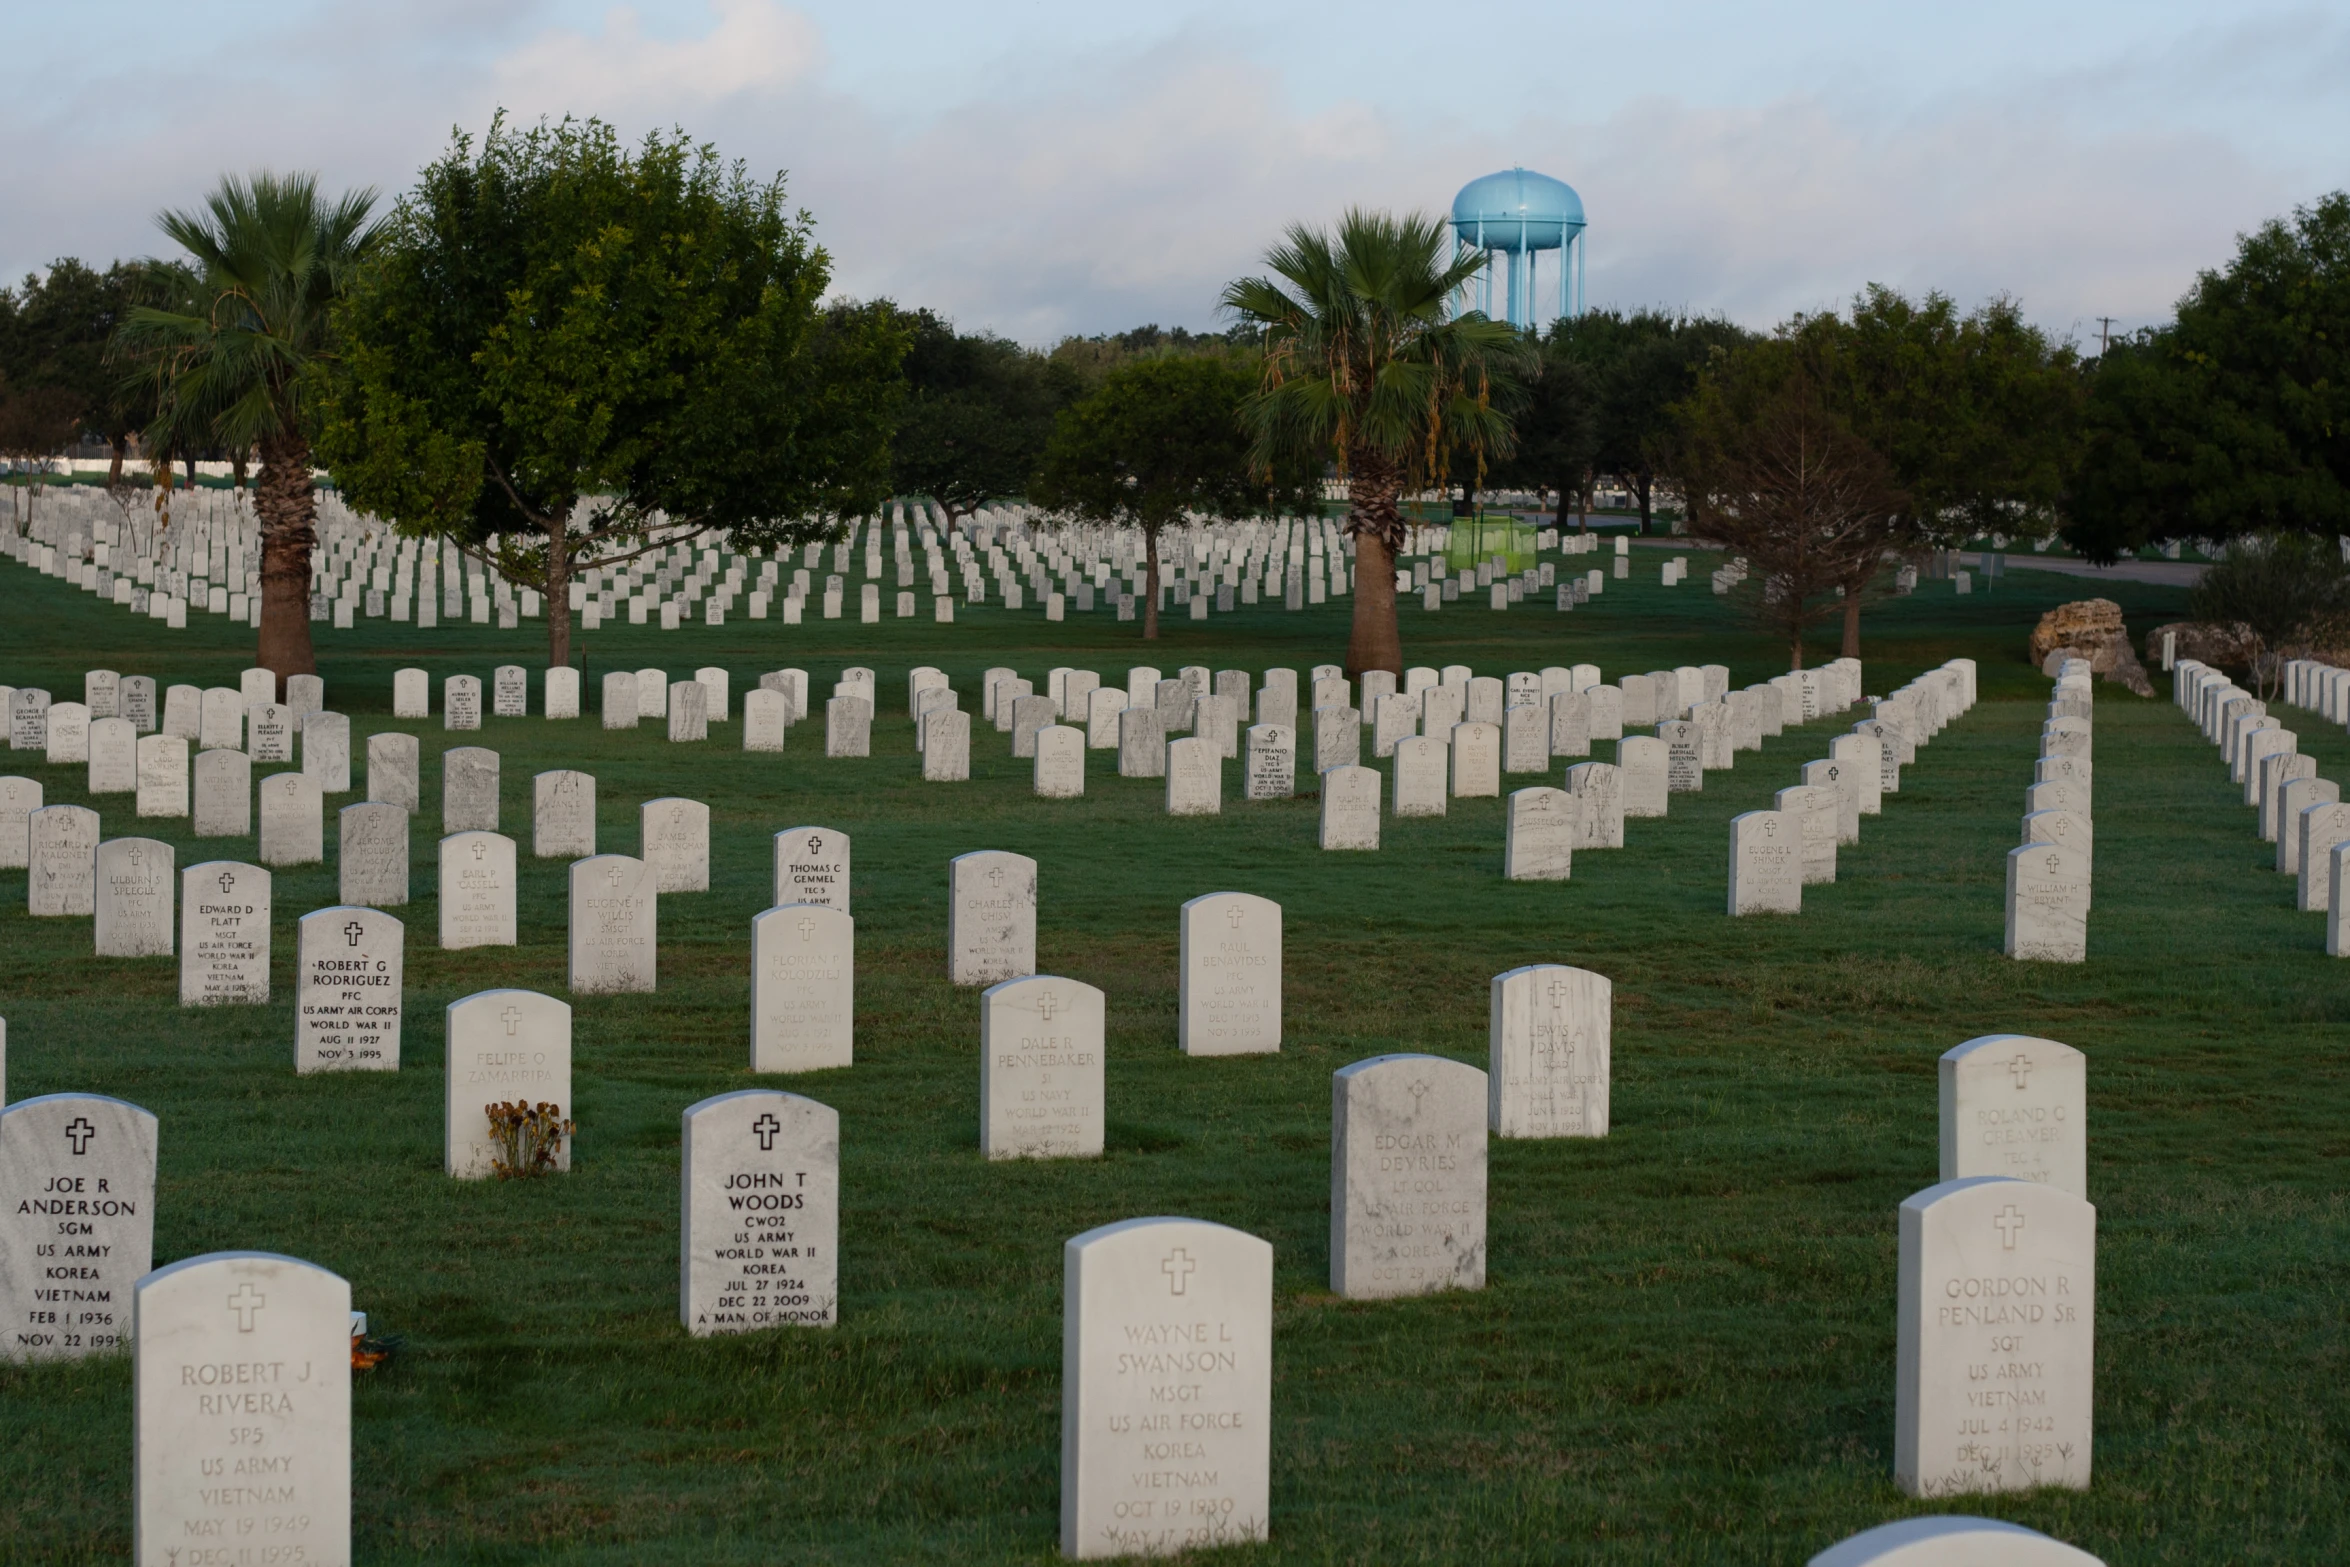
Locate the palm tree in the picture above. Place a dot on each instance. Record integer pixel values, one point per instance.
(272, 257)
(1363, 368)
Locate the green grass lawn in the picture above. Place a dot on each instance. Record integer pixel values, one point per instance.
(1686, 1352)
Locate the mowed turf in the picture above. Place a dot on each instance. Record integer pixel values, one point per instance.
(1686, 1351)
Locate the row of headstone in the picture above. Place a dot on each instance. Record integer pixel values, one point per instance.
(2049, 878)
(1775, 854)
(2300, 812)
(215, 718)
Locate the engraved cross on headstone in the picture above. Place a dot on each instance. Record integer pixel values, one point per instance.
(354, 931)
(1179, 1268)
(246, 1303)
(2021, 1066)
(1234, 915)
(765, 1129)
(228, 882)
(1046, 1005)
(807, 927)
(512, 1018)
(2008, 1222)
(995, 878)
(480, 850)
(78, 1132)
(1559, 991)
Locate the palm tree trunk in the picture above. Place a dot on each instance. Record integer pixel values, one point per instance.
(1851, 621)
(288, 515)
(1150, 582)
(1376, 526)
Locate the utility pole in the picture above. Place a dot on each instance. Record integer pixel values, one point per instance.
(2104, 334)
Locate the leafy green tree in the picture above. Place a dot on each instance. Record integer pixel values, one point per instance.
(567, 350)
(1557, 430)
(56, 333)
(1159, 438)
(1640, 368)
(1364, 368)
(2287, 587)
(1776, 474)
(2235, 418)
(978, 413)
(235, 365)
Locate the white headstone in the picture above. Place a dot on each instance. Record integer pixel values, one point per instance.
(223, 723)
(61, 848)
(134, 898)
(223, 788)
(1952, 1542)
(1142, 745)
(1269, 758)
(1476, 761)
(615, 915)
(1641, 763)
(1599, 785)
(411, 693)
(113, 757)
(620, 707)
(469, 789)
(347, 984)
(766, 718)
(1350, 808)
(652, 693)
(803, 988)
(477, 891)
(1996, 1338)
(503, 1045)
(991, 917)
(848, 726)
(946, 746)
(2016, 1106)
(305, 694)
(1040, 1074)
(510, 691)
(461, 702)
(1539, 842)
(1813, 809)
(326, 751)
(393, 773)
(20, 797)
(1059, 773)
(812, 866)
(1195, 777)
(183, 710)
(2047, 904)
(78, 1228)
(1148, 1305)
(562, 692)
(674, 838)
(293, 820)
(760, 1237)
(163, 782)
(1229, 960)
(224, 934)
(1549, 1031)
(1407, 1177)
(136, 702)
(374, 854)
(1766, 863)
(563, 815)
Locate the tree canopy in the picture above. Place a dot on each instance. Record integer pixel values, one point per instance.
(978, 412)
(55, 380)
(2235, 418)
(583, 349)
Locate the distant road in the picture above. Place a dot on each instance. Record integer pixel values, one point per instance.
(2167, 573)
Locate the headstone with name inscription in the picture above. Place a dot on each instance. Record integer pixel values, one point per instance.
(305, 694)
(1229, 960)
(1338, 738)
(69, 735)
(293, 820)
(134, 898)
(1841, 781)
(183, 711)
(766, 719)
(689, 712)
(102, 693)
(1684, 758)
(269, 730)
(812, 866)
(1539, 842)
(620, 708)
(1570, 724)
(1144, 1300)
(469, 789)
(1599, 785)
(2016, 1106)
(803, 988)
(242, 1411)
(717, 693)
(61, 849)
(348, 969)
(1812, 808)
(373, 854)
(615, 915)
(1142, 745)
(561, 696)
(1059, 771)
(136, 702)
(848, 726)
(224, 935)
(1476, 761)
(1421, 784)
(28, 718)
(78, 1230)
(1549, 1030)
(326, 751)
(411, 693)
(1102, 711)
(393, 773)
(563, 815)
(223, 789)
(652, 693)
(477, 890)
(673, 836)
(946, 745)
(1269, 759)
(760, 1239)
(1350, 809)
(503, 1046)
(1766, 863)
(114, 757)
(222, 725)
(510, 691)
(1195, 777)
(2047, 904)
(1407, 1177)
(1040, 1076)
(1642, 763)
(1995, 1360)
(461, 702)
(991, 917)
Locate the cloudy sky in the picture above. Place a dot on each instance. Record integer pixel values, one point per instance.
(1056, 166)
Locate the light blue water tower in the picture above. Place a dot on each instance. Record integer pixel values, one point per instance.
(1513, 217)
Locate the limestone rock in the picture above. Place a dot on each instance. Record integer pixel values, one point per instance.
(2091, 629)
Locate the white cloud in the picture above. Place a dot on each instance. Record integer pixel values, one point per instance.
(754, 46)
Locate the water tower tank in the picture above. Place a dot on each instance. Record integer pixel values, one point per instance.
(1512, 216)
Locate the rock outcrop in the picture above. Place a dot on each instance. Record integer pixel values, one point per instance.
(2091, 629)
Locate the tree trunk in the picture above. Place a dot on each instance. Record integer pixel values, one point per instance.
(559, 593)
(288, 514)
(1795, 649)
(1643, 488)
(1851, 621)
(1376, 525)
(1150, 582)
(120, 447)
